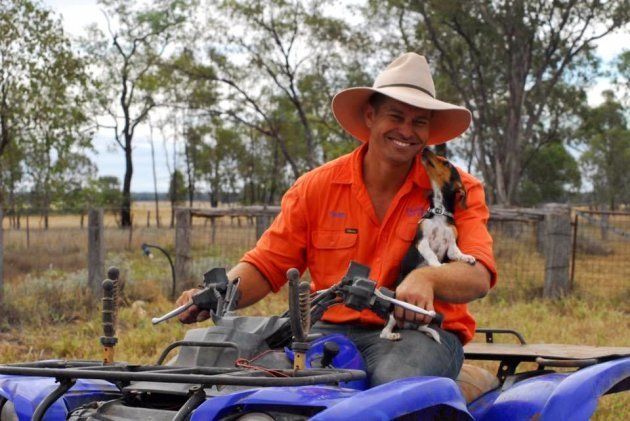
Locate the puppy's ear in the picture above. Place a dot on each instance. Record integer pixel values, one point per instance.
(461, 191)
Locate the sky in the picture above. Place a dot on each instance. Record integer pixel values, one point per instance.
(78, 14)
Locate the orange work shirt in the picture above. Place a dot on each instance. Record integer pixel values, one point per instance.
(327, 220)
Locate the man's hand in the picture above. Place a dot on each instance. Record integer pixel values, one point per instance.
(193, 313)
(415, 289)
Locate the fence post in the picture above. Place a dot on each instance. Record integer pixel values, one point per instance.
(1, 262)
(262, 223)
(182, 248)
(96, 250)
(557, 250)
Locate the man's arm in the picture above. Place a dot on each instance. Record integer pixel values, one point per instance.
(253, 288)
(454, 282)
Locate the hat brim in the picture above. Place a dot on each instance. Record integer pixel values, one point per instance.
(447, 120)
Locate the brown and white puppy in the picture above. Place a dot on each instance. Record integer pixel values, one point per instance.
(437, 235)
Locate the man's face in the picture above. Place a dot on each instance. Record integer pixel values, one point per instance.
(398, 131)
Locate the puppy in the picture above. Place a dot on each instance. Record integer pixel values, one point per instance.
(437, 235)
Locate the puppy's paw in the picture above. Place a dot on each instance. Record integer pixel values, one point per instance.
(393, 336)
(468, 259)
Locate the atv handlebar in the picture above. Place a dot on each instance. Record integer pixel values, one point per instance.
(355, 290)
(219, 296)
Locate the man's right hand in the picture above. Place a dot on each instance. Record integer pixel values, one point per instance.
(193, 313)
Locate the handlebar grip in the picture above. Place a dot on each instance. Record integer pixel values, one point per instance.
(438, 319)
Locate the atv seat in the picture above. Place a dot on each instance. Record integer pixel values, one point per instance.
(474, 381)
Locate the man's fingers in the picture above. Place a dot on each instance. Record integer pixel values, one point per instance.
(190, 315)
(186, 296)
(203, 315)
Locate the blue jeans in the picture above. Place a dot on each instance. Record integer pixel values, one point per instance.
(415, 354)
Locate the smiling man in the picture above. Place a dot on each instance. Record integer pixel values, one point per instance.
(365, 207)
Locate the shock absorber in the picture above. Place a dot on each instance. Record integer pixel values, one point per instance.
(299, 309)
(305, 306)
(109, 339)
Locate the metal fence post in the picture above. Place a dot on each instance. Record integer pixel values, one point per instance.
(96, 250)
(557, 250)
(183, 259)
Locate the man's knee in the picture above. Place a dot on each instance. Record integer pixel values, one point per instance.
(417, 355)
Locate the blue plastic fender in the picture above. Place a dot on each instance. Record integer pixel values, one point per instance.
(521, 401)
(576, 397)
(438, 396)
(271, 398)
(27, 392)
(554, 396)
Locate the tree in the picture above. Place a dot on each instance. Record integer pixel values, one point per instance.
(518, 65)
(605, 133)
(138, 39)
(43, 89)
(551, 176)
(176, 192)
(295, 59)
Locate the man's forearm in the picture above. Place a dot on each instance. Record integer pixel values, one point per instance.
(253, 286)
(456, 282)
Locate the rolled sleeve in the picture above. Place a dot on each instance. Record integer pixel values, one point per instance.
(283, 245)
(472, 227)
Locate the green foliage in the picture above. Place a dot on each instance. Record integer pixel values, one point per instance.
(43, 120)
(606, 136)
(552, 173)
(177, 190)
(102, 192)
(521, 67)
(127, 59)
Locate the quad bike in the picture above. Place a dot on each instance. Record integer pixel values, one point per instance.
(273, 368)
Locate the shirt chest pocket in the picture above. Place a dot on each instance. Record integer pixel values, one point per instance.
(331, 253)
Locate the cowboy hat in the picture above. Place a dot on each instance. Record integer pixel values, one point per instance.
(406, 79)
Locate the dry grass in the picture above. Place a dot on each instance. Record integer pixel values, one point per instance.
(48, 314)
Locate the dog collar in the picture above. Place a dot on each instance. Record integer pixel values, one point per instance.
(438, 211)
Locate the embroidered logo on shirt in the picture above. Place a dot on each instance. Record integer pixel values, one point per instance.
(336, 214)
(352, 231)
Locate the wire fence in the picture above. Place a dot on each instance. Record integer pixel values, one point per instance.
(599, 247)
(601, 263)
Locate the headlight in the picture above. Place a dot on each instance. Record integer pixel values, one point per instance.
(7, 411)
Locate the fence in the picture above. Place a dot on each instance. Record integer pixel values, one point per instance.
(552, 250)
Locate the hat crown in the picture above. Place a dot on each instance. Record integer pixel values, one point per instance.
(409, 69)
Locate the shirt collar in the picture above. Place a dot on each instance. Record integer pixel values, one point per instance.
(354, 172)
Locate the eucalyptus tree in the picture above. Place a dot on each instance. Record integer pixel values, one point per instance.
(43, 93)
(520, 66)
(126, 61)
(277, 62)
(606, 136)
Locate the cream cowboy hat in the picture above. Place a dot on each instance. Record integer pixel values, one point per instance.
(406, 79)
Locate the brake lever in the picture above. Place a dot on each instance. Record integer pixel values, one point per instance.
(437, 317)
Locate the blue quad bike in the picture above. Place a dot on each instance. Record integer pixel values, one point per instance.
(272, 368)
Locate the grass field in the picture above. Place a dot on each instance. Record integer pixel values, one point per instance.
(48, 312)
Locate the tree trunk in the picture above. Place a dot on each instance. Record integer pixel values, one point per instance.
(125, 212)
(155, 190)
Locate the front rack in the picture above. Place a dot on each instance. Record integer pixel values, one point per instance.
(121, 374)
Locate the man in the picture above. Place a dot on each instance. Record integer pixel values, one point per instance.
(365, 206)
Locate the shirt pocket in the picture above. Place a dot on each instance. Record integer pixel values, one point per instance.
(331, 253)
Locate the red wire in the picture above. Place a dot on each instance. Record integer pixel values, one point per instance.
(245, 363)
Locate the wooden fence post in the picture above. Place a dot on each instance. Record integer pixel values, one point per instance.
(1, 262)
(263, 221)
(96, 250)
(557, 250)
(183, 219)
